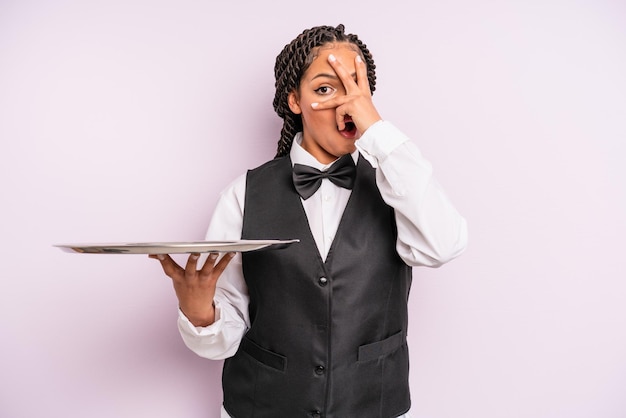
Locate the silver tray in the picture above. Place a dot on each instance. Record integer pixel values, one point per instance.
(175, 247)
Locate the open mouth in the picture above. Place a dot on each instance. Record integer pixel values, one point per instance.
(349, 131)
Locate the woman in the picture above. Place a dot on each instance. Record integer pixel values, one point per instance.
(318, 329)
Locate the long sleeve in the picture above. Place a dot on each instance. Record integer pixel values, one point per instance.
(430, 230)
(221, 339)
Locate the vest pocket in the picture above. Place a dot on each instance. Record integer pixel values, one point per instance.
(382, 348)
(264, 356)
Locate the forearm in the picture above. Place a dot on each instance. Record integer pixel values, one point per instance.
(221, 338)
(216, 341)
(229, 304)
(431, 231)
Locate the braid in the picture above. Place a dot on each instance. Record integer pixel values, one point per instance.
(291, 64)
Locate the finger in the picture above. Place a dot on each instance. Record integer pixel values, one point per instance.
(169, 266)
(339, 118)
(224, 261)
(209, 263)
(192, 263)
(216, 269)
(361, 75)
(331, 103)
(346, 78)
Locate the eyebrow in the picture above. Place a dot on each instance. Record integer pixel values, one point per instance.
(333, 76)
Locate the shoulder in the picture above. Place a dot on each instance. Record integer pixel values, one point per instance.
(272, 167)
(236, 189)
(271, 164)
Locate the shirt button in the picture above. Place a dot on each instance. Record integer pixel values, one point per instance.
(323, 281)
(316, 414)
(319, 370)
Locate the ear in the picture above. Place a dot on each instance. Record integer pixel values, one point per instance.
(294, 102)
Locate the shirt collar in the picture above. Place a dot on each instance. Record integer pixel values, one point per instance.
(299, 155)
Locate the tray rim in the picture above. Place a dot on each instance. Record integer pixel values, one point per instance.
(173, 247)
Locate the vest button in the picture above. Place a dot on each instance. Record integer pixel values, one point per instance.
(319, 370)
(323, 281)
(316, 414)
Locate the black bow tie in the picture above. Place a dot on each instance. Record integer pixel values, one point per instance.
(308, 179)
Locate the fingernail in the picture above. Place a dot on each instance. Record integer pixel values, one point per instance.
(314, 105)
(332, 58)
(160, 257)
(194, 256)
(358, 58)
(212, 256)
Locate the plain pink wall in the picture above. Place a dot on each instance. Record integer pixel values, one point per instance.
(122, 121)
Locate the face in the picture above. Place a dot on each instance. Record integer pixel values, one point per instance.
(320, 135)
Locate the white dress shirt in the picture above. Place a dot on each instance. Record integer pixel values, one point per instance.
(430, 230)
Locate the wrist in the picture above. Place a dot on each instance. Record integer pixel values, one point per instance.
(199, 317)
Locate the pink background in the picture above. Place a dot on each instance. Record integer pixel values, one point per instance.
(122, 120)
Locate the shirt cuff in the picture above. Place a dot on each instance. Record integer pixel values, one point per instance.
(212, 329)
(380, 140)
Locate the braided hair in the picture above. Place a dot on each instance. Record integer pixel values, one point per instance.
(292, 63)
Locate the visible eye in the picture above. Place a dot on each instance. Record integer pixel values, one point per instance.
(324, 90)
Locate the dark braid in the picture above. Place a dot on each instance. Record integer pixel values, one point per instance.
(292, 63)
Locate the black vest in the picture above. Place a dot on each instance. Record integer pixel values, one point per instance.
(327, 339)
